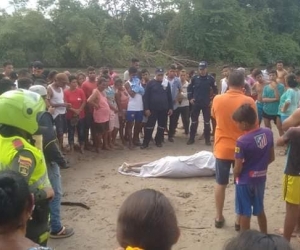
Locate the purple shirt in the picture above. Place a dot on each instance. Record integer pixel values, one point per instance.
(254, 148)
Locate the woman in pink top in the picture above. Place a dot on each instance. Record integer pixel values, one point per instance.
(101, 113)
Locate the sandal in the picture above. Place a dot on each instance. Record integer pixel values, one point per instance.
(63, 233)
(219, 224)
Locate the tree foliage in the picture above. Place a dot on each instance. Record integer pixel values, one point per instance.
(74, 33)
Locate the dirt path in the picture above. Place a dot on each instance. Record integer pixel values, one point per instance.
(94, 180)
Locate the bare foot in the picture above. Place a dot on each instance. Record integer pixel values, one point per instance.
(280, 232)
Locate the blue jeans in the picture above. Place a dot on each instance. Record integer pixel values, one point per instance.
(80, 131)
(55, 180)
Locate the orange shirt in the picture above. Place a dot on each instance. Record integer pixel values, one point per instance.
(227, 131)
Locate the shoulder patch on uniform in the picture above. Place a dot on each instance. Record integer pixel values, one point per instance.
(237, 150)
(25, 164)
(18, 144)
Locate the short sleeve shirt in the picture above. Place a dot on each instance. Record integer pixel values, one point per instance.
(254, 149)
(271, 108)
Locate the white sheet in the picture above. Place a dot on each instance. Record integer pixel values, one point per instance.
(201, 164)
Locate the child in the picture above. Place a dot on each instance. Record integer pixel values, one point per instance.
(147, 221)
(253, 153)
(134, 114)
(101, 113)
(254, 240)
(291, 182)
(145, 79)
(270, 97)
(114, 117)
(290, 99)
(122, 98)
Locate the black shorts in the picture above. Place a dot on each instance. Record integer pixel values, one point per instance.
(100, 128)
(270, 117)
(60, 122)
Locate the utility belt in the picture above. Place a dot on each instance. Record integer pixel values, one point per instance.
(38, 226)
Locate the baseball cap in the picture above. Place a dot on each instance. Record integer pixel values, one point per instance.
(159, 71)
(38, 65)
(202, 65)
(39, 89)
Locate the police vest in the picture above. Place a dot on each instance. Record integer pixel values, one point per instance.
(37, 177)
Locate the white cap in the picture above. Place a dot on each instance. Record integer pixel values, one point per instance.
(39, 89)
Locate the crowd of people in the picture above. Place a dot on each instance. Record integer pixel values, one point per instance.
(95, 108)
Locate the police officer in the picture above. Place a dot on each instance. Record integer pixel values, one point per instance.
(158, 104)
(199, 97)
(20, 111)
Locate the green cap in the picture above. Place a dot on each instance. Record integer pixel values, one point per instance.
(21, 109)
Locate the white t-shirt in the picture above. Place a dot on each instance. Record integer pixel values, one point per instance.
(185, 101)
(224, 85)
(126, 75)
(135, 103)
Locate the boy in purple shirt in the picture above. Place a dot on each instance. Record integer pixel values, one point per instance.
(253, 153)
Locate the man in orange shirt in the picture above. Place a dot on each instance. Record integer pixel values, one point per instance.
(227, 132)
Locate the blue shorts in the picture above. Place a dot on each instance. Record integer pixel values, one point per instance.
(136, 116)
(223, 171)
(249, 199)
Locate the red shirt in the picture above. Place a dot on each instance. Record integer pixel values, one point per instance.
(75, 98)
(88, 88)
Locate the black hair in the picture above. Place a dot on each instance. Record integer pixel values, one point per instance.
(105, 71)
(236, 78)
(7, 63)
(245, 113)
(254, 240)
(23, 73)
(134, 60)
(273, 71)
(173, 67)
(132, 70)
(6, 85)
(257, 72)
(118, 80)
(214, 75)
(147, 220)
(279, 61)
(291, 80)
(179, 67)
(191, 73)
(52, 75)
(90, 69)
(38, 65)
(297, 73)
(72, 77)
(15, 197)
(144, 71)
(101, 80)
(24, 83)
(13, 76)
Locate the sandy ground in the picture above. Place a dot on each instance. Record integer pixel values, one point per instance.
(94, 180)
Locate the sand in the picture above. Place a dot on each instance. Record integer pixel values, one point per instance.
(94, 180)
